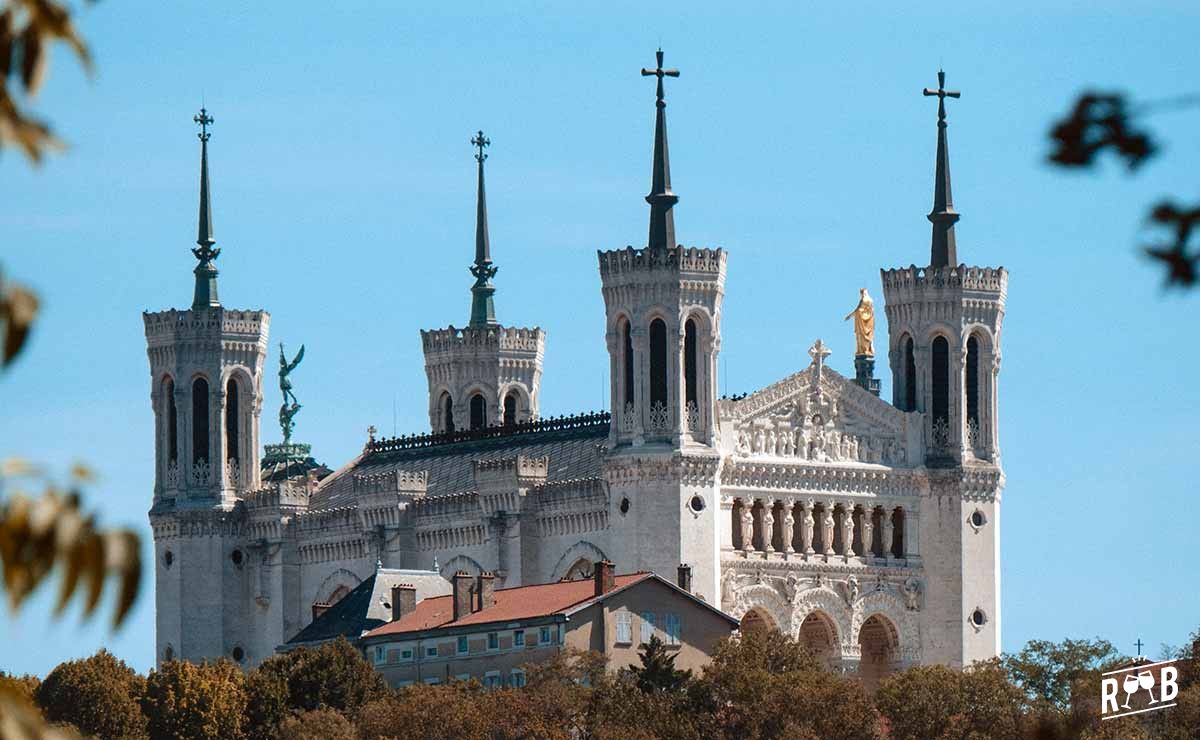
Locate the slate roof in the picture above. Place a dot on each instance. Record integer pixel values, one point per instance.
(365, 607)
(574, 450)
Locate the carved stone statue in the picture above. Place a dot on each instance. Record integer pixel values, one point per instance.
(852, 590)
(747, 529)
(288, 411)
(806, 528)
(827, 529)
(912, 594)
(864, 325)
(728, 586)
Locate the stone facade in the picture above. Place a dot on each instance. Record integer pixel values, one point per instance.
(869, 529)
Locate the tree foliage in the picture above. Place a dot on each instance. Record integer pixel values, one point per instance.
(189, 700)
(99, 695)
(333, 675)
(317, 724)
(657, 671)
(1046, 670)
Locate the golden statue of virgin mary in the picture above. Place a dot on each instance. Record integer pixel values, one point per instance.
(864, 324)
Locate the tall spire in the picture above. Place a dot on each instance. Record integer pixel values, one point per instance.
(661, 199)
(205, 295)
(943, 250)
(483, 310)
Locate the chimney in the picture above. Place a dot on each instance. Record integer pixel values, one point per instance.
(487, 590)
(684, 579)
(462, 594)
(404, 600)
(602, 574)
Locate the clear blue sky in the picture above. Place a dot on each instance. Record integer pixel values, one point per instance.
(343, 191)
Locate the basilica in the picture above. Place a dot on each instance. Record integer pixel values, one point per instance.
(869, 529)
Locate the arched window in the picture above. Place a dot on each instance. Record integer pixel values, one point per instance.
(627, 361)
(510, 409)
(689, 361)
(231, 420)
(658, 363)
(910, 377)
(940, 375)
(478, 411)
(168, 390)
(973, 382)
(447, 413)
(199, 420)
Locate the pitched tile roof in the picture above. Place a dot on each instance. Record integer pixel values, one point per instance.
(512, 604)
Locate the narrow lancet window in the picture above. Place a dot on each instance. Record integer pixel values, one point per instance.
(940, 377)
(689, 361)
(200, 420)
(232, 420)
(658, 363)
(510, 409)
(972, 383)
(627, 360)
(172, 420)
(447, 413)
(478, 412)
(910, 377)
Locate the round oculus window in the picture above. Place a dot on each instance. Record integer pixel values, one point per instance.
(696, 504)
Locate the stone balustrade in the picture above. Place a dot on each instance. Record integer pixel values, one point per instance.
(825, 529)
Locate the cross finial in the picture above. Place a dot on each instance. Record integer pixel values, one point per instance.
(659, 72)
(205, 121)
(1139, 645)
(480, 141)
(818, 352)
(942, 93)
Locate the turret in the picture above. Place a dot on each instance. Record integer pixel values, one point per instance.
(486, 374)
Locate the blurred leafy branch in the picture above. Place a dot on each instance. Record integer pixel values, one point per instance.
(1100, 122)
(42, 524)
(27, 30)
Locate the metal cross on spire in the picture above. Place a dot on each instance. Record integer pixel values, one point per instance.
(942, 93)
(204, 120)
(660, 73)
(480, 141)
(818, 352)
(661, 199)
(943, 251)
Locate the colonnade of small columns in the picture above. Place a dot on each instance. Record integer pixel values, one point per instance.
(824, 529)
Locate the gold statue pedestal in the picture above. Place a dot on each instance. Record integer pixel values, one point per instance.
(864, 373)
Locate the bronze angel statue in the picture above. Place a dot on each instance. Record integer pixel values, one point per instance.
(288, 411)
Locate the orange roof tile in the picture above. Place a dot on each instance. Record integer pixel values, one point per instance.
(512, 604)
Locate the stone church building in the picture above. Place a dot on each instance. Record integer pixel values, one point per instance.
(868, 528)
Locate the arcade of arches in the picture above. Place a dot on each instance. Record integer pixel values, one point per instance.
(878, 643)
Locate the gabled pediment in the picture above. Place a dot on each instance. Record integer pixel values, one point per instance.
(819, 415)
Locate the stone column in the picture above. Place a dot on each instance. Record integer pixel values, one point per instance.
(641, 389)
(789, 525)
(911, 548)
(768, 525)
(806, 528)
(847, 531)
(868, 531)
(888, 539)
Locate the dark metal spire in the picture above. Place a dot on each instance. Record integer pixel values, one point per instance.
(483, 310)
(206, 272)
(942, 251)
(661, 199)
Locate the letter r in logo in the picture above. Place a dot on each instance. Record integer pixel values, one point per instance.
(1108, 692)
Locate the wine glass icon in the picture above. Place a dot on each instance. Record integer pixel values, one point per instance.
(1146, 681)
(1130, 685)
